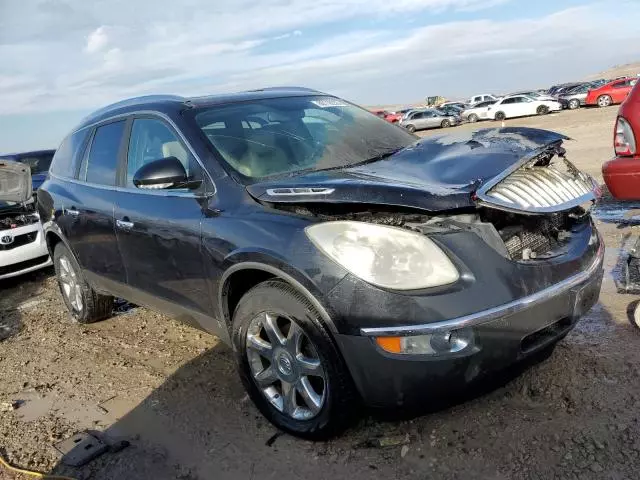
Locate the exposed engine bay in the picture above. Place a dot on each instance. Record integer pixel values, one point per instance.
(515, 236)
(17, 216)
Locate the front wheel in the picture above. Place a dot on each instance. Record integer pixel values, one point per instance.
(410, 128)
(500, 116)
(84, 303)
(604, 101)
(473, 118)
(288, 363)
(542, 110)
(573, 104)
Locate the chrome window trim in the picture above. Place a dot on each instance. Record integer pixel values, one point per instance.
(158, 193)
(498, 312)
(151, 113)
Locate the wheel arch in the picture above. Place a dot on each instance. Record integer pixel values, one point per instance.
(243, 276)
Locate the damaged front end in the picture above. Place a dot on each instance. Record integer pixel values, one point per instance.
(530, 211)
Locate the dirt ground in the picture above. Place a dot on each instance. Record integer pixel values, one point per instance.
(173, 393)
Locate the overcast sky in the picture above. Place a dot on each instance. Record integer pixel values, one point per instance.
(60, 59)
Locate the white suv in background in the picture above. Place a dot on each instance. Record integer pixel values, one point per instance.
(22, 243)
(485, 97)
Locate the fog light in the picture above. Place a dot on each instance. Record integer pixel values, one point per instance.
(439, 343)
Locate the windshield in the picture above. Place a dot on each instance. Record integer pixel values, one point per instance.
(37, 163)
(278, 136)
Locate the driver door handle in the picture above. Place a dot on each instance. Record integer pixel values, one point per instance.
(124, 224)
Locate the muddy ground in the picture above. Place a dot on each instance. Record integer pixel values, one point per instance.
(172, 391)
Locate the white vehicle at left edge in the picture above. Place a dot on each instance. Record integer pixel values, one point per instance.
(22, 244)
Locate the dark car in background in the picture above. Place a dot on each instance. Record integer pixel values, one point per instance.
(343, 258)
(39, 161)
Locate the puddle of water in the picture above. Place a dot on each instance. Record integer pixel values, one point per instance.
(622, 213)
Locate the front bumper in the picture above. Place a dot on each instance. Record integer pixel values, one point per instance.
(26, 257)
(504, 335)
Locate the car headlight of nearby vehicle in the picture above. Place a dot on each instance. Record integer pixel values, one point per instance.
(438, 343)
(387, 257)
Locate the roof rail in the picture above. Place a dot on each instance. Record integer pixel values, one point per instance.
(134, 101)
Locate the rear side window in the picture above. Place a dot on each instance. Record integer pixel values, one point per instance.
(66, 159)
(102, 161)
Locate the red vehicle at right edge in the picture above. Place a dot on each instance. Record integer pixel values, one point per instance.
(622, 173)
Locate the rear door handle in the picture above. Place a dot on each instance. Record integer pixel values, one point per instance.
(124, 224)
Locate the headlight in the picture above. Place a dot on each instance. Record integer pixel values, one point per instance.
(438, 343)
(388, 257)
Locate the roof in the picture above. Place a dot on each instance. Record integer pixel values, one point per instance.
(167, 102)
(33, 153)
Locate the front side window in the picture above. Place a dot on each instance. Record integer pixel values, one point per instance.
(297, 134)
(101, 163)
(620, 84)
(508, 101)
(151, 139)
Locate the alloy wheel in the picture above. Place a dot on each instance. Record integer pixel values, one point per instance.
(604, 101)
(285, 366)
(573, 104)
(70, 284)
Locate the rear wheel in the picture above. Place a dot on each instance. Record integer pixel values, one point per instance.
(445, 124)
(289, 364)
(410, 128)
(84, 304)
(604, 101)
(542, 110)
(500, 116)
(473, 118)
(574, 103)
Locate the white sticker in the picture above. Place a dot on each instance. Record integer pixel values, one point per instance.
(329, 102)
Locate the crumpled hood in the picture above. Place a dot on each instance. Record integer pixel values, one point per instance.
(15, 182)
(435, 174)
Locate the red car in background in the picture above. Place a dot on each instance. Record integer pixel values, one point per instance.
(622, 173)
(611, 93)
(388, 116)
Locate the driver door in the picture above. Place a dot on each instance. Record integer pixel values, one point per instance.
(159, 231)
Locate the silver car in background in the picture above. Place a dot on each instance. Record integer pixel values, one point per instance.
(576, 97)
(428, 118)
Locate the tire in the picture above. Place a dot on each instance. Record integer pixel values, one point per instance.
(285, 310)
(83, 303)
(473, 118)
(574, 104)
(410, 128)
(633, 313)
(445, 124)
(542, 110)
(500, 116)
(604, 101)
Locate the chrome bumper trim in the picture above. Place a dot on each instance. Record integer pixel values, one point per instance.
(495, 312)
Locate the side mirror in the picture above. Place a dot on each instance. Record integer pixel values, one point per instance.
(161, 174)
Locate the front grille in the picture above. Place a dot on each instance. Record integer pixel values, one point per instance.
(16, 267)
(20, 241)
(540, 188)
